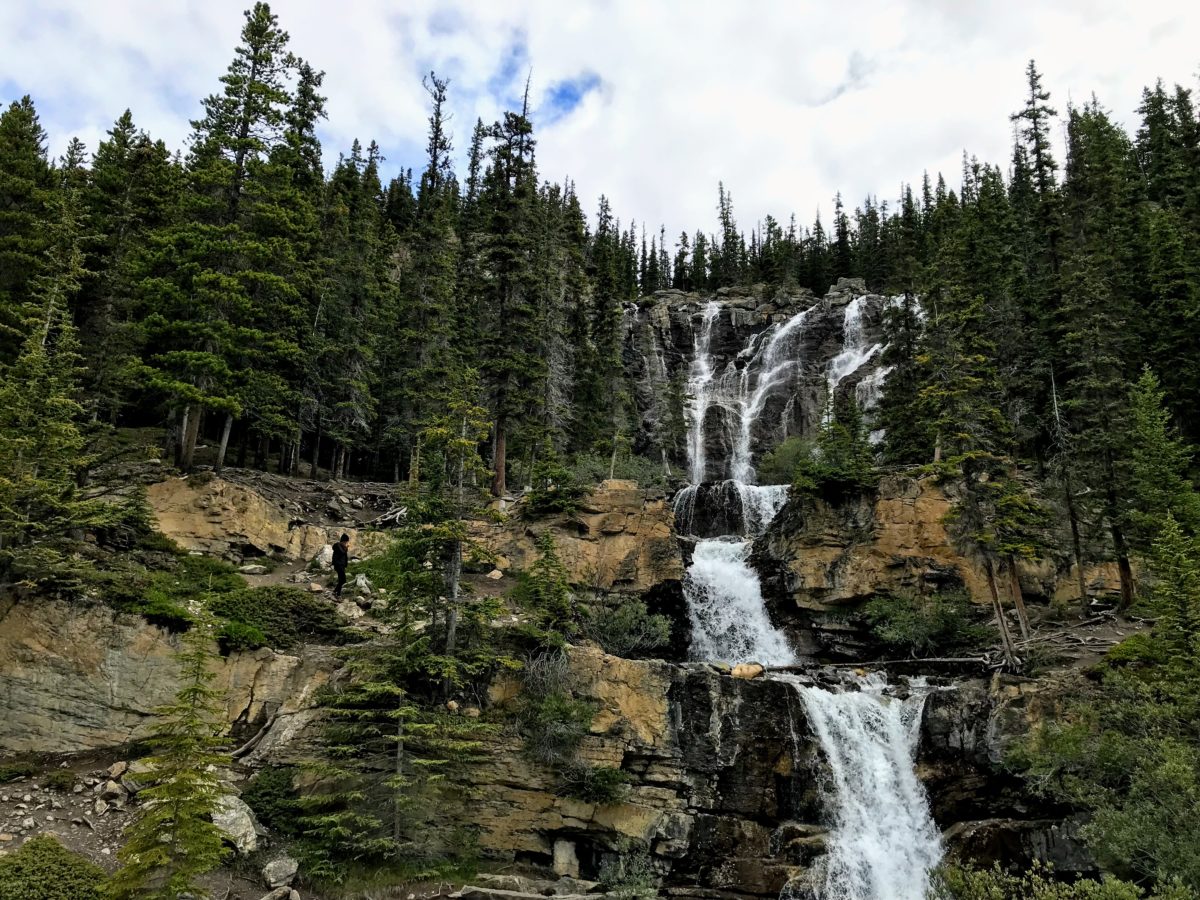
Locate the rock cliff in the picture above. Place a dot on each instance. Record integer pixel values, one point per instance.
(78, 676)
(664, 331)
(820, 560)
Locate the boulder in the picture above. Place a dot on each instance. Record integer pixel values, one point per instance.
(566, 863)
(280, 871)
(113, 792)
(747, 670)
(236, 822)
(253, 569)
(135, 778)
(324, 557)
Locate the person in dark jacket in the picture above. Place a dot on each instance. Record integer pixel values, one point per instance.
(341, 556)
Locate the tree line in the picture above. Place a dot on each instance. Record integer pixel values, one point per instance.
(250, 301)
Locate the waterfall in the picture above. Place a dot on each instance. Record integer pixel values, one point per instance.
(883, 842)
(699, 380)
(856, 351)
(739, 393)
(725, 604)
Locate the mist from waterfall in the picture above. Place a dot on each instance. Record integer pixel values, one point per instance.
(883, 842)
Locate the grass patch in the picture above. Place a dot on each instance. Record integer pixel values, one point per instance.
(61, 780)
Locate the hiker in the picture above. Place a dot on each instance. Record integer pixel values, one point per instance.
(341, 556)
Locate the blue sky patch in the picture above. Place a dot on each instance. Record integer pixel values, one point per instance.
(563, 96)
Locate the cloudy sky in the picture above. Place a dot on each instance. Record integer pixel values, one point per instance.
(649, 102)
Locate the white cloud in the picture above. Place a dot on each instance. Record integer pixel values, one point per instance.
(787, 103)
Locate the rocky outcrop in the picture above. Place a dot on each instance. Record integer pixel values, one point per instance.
(661, 339)
(820, 559)
(619, 539)
(220, 517)
(76, 677)
(715, 768)
(969, 729)
(725, 778)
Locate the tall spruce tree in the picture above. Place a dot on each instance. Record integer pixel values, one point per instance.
(42, 446)
(26, 184)
(171, 840)
(511, 366)
(223, 310)
(134, 191)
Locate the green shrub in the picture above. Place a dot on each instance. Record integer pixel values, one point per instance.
(550, 720)
(553, 727)
(594, 784)
(592, 468)
(235, 636)
(926, 625)
(61, 780)
(279, 617)
(13, 771)
(778, 466)
(272, 796)
(544, 592)
(958, 883)
(43, 869)
(629, 875)
(629, 630)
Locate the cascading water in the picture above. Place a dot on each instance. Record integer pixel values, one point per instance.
(736, 396)
(725, 605)
(883, 843)
(856, 349)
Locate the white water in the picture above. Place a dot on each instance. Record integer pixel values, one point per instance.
(883, 842)
(856, 351)
(725, 604)
(729, 618)
(699, 380)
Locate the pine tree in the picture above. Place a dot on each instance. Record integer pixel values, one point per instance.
(133, 192)
(25, 189)
(456, 433)
(1177, 594)
(224, 309)
(171, 840)
(42, 446)
(1158, 465)
(1174, 312)
(511, 367)
(383, 777)
(428, 291)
